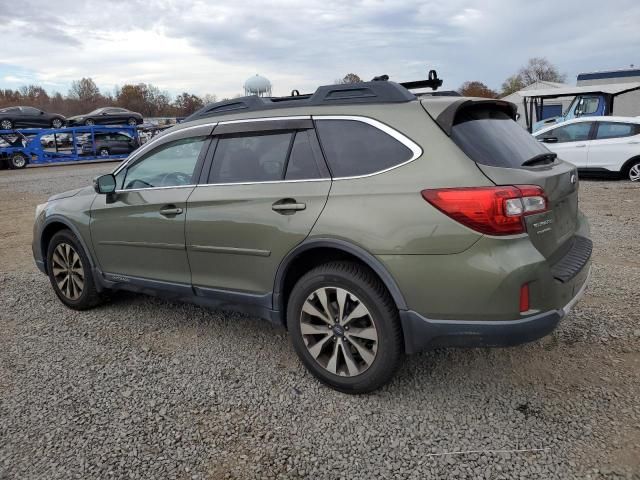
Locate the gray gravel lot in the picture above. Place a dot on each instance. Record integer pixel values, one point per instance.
(143, 388)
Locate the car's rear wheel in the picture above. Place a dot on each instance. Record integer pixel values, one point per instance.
(345, 327)
(89, 122)
(132, 122)
(6, 125)
(633, 172)
(70, 272)
(56, 123)
(18, 160)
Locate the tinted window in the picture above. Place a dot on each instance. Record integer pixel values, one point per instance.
(30, 110)
(305, 160)
(169, 165)
(356, 148)
(575, 132)
(491, 137)
(250, 158)
(616, 130)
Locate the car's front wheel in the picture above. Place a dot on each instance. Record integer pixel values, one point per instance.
(56, 123)
(132, 122)
(6, 125)
(103, 152)
(89, 122)
(345, 328)
(70, 272)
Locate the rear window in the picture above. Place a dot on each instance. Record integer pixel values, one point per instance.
(491, 137)
(354, 148)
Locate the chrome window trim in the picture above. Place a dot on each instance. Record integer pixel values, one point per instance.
(416, 150)
(406, 141)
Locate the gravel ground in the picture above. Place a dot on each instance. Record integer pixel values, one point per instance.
(143, 388)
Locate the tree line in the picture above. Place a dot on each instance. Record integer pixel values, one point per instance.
(84, 96)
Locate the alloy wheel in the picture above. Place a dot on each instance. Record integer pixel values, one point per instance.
(67, 271)
(6, 124)
(132, 122)
(104, 152)
(634, 172)
(57, 123)
(89, 123)
(18, 160)
(338, 331)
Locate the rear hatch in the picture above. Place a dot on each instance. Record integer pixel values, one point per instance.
(508, 155)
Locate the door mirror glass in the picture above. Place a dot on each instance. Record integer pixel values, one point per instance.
(105, 184)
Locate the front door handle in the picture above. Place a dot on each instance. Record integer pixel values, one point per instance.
(633, 142)
(580, 146)
(170, 211)
(288, 206)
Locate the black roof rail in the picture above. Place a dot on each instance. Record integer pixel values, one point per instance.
(379, 90)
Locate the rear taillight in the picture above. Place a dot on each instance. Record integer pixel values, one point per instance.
(489, 210)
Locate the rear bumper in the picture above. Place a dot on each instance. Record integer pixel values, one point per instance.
(422, 333)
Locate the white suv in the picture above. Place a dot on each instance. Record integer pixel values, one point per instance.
(599, 145)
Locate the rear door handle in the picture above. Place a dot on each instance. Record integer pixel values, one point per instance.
(288, 205)
(580, 146)
(633, 142)
(170, 211)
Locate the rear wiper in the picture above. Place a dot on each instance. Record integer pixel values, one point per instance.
(541, 158)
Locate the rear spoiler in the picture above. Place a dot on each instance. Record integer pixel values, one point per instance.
(444, 114)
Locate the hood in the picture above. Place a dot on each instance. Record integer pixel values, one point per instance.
(71, 193)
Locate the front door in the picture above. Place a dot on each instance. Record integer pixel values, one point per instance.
(264, 192)
(571, 142)
(139, 230)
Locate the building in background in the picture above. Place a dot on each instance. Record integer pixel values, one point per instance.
(626, 75)
(257, 85)
(552, 109)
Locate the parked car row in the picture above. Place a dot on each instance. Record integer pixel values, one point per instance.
(597, 145)
(30, 117)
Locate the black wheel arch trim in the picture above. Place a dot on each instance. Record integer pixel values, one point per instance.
(347, 247)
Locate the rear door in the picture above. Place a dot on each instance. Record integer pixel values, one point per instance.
(613, 144)
(500, 147)
(266, 186)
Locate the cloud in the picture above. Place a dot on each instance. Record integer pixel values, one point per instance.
(212, 47)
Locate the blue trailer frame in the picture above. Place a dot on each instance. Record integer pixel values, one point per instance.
(31, 147)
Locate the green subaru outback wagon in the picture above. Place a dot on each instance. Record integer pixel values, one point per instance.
(369, 222)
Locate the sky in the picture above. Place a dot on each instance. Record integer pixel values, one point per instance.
(212, 47)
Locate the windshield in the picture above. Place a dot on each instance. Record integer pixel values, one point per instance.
(491, 137)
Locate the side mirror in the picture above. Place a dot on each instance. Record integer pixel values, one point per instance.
(103, 113)
(41, 112)
(550, 139)
(104, 184)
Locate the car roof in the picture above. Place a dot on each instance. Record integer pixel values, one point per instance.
(600, 118)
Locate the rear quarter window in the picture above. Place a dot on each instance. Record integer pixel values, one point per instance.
(491, 137)
(354, 148)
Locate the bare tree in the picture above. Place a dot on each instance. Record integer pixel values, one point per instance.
(476, 89)
(511, 85)
(348, 78)
(537, 69)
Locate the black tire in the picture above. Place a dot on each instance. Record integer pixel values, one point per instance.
(57, 123)
(370, 291)
(632, 172)
(6, 124)
(89, 296)
(132, 122)
(18, 161)
(89, 122)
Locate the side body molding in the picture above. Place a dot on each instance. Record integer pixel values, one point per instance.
(359, 252)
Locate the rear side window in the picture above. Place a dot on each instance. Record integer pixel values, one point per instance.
(355, 148)
(250, 158)
(491, 137)
(616, 130)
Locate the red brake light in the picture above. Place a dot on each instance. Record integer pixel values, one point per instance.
(489, 210)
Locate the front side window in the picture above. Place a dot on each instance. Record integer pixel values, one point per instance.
(250, 158)
(169, 165)
(587, 106)
(616, 130)
(355, 148)
(576, 132)
(30, 111)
